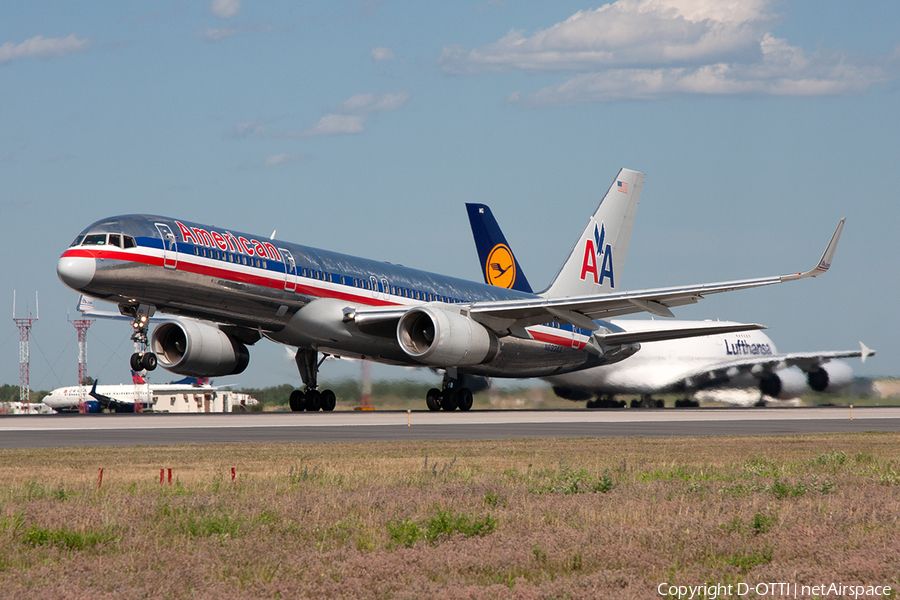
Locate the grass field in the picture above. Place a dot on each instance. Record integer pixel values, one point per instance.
(583, 518)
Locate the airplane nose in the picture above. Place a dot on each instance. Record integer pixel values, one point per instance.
(76, 271)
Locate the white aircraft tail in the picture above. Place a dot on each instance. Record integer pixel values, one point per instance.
(85, 304)
(595, 264)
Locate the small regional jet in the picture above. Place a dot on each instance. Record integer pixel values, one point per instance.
(227, 290)
(120, 397)
(726, 365)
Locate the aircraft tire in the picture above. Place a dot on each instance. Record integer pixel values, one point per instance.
(313, 400)
(329, 400)
(433, 399)
(464, 397)
(135, 362)
(148, 361)
(449, 400)
(296, 401)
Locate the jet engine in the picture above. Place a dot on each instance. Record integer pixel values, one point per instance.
(830, 377)
(442, 338)
(783, 384)
(196, 349)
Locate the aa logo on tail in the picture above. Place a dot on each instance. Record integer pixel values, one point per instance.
(598, 259)
(500, 268)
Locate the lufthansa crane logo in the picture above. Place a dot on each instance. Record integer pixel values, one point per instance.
(500, 267)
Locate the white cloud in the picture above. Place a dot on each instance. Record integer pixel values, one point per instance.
(653, 48)
(248, 129)
(334, 125)
(225, 9)
(214, 35)
(363, 104)
(350, 117)
(282, 159)
(382, 53)
(41, 47)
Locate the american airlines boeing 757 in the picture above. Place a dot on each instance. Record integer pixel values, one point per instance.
(226, 290)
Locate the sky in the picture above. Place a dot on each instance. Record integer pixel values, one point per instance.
(364, 128)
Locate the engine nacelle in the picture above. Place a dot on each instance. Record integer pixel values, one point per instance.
(195, 349)
(783, 384)
(830, 377)
(442, 338)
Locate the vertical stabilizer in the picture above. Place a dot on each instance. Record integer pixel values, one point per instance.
(499, 266)
(595, 264)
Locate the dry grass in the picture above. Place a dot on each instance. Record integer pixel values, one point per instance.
(589, 518)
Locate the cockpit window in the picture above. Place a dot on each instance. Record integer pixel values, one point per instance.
(95, 239)
(77, 241)
(115, 239)
(129, 242)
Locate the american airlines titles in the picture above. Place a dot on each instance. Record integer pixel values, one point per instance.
(227, 241)
(742, 348)
(598, 259)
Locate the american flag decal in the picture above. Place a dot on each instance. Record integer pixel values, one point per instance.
(623, 186)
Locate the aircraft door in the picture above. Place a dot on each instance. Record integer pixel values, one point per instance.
(290, 270)
(170, 246)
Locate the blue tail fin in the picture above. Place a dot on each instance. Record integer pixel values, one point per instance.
(498, 263)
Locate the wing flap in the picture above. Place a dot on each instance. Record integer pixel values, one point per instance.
(658, 335)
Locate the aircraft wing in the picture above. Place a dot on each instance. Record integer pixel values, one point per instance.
(513, 316)
(658, 335)
(806, 361)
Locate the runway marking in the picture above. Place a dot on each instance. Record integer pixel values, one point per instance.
(50, 423)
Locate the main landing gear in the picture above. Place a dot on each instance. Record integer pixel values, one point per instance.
(450, 397)
(311, 399)
(142, 360)
(607, 401)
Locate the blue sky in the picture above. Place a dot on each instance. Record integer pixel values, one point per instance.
(364, 127)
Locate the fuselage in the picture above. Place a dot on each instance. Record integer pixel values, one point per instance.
(259, 285)
(662, 366)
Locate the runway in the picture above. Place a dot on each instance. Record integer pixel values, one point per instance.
(44, 431)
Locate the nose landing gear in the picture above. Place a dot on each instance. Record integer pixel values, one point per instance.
(141, 360)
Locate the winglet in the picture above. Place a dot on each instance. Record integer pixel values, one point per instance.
(825, 261)
(864, 352)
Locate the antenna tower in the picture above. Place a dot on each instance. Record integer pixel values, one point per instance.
(81, 328)
(24, 325)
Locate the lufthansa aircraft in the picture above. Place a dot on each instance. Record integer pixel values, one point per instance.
(228, 289)
(731, 364)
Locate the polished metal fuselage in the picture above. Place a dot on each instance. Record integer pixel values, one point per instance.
(263, 287)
